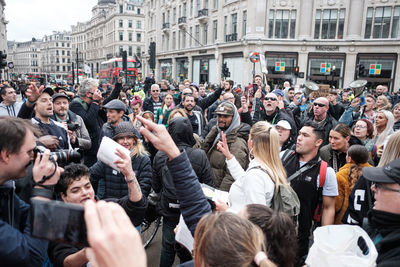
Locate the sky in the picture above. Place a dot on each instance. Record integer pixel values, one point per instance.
(36, 18)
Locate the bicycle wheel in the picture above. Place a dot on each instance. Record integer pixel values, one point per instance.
(149, 230)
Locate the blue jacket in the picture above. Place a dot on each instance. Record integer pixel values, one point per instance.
(111, 184)
(17, 247)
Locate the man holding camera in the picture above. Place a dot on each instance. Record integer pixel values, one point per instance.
(77, 131)
(75, 187)
(17, 144)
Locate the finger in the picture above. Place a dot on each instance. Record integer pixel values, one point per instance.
(148, 124)
(148, 135)
(120, 154)
(105, 211)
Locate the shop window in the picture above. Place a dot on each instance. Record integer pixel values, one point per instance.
(329, 24)
(282, 24)
(382, 22)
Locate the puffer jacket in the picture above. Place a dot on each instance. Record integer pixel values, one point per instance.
(237, 143)
(111, 183)
(181, 131)
(342, 200)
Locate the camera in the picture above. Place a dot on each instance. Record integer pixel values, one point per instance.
(64, 156)
(73, 126)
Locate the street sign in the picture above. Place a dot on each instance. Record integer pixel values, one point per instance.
(375, 69)
(255, 57)
(10, 65)
(279, 66)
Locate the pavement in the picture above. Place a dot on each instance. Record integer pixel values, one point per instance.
(153, 251)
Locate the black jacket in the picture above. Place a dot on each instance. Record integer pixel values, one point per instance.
(182, 134)
(327, 125)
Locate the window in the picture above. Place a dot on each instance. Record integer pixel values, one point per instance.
(58, 68)
(215, 30)
(225, 25)
(206, 4)
(184, 39)
(121, 9)
(57, 44)
(191, 8)
(244, 30)
(130, 37)
(68, 53)
(57, 52)
(163, 43)
(282, 24)
(382, 22)
(63, 52)
(234, 23)
(173, 40)
(205, 34)
(121, 23)
(130, 51)
(215, 4)
(130, 23)
(138, 24)
(68, 60)
(138, 37)
(138, 51)
(190, 36)
(174, 15)
(121, 36)
(179, 39)
(197, 34)
(198, 6)
(329, 24)
(184, 10)
(62, 44)
(63, 60)
(63, 68)
(138, 11)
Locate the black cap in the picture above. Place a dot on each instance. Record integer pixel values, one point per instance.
(55, 96)
(388, 174)
(48, 90)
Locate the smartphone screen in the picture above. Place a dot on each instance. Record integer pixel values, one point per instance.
(58, 221)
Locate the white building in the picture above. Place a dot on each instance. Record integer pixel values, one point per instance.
(3, 31)
(115, 25)
(195, 37)
(25, 56)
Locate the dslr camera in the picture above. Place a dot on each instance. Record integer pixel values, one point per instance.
(64, 156)
(73, 126)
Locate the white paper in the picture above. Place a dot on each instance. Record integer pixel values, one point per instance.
(184, 236)
(221, 196)
(106, 153)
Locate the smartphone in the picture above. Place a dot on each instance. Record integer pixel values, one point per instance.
(58, 221)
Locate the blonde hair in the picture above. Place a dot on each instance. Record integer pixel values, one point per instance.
(388, 129)
(391, 151)
(386, 104)
(266, 149)
(139, 149)
(225, 239)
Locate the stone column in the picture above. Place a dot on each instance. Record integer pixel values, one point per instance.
(256, 18)
(356, 15)
(351, 60)
(190, 68)
(305, 21)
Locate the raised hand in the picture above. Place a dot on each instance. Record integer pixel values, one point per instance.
(222, 146)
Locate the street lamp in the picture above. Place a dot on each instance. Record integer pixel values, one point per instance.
(79, 57)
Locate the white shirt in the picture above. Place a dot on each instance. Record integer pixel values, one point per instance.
(250, 187)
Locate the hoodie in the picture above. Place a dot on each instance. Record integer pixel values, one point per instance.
(10, 110)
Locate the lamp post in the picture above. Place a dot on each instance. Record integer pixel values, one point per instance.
(332, 74)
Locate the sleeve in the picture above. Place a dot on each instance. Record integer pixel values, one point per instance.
(84, 139)
(207, 175)
(330, 187)
(135, 210)
(25, 112)
(114, 94)
(97, 172)
(257, 111)
(347, 116)
(156, 182)
(193, 203)
(210, 99)
(19, 248)
(235, 169)
(246, 117)
(258, 188)
(145, 175)
(89, 117)
(58, 252)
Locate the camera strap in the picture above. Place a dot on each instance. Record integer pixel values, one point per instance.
(45, 178)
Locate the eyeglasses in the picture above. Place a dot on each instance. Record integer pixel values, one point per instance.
(360, 126)
(384, 187)
(155, 91)
(319, 105)
(270, 98)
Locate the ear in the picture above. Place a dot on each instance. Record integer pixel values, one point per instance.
(4, 156)
(63, 196)
(319, 142)
(347, 138)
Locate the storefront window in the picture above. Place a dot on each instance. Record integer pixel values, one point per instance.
(166, 70)
(326, 69)
(280, 68)
(182, 66)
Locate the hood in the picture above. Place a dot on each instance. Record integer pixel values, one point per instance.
(234, 124)
(181, 131)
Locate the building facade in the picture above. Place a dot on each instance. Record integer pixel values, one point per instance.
(3, 34)
(25, 56)
(331, 41)
(115, 25)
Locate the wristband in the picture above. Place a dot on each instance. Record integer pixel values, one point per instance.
(42, 192)
(31, 103)
(131, 180)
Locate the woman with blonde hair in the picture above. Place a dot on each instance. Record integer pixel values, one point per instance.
(264, 174)
(165, 109)
(382, 103)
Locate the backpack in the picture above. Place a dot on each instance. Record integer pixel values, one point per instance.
(285, 199)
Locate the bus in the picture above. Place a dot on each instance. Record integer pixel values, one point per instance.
(81, 76)
(109, 71)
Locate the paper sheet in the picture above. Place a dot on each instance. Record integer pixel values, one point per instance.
(184, 236)
(106, 153)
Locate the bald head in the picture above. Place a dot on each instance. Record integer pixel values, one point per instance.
(321, 106)
(229, 97)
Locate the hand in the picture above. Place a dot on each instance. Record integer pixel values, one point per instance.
(245, 104)
(97, 95)
(355, 102)
(258, 93)
(113, 239)
(222, 146)
(281, 105)
(119, 80)
(220, 205)
(49, 141)
(379, 152)
(72, 136)
(158, 135)
(44, 167)
(221, 84)
(33, 93)
(124, 163)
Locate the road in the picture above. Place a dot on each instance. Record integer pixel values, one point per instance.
(153, 251)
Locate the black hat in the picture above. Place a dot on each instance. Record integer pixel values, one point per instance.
(55, 96)
(115, 104)
(125, 128)
(48, 90)
(388, 174)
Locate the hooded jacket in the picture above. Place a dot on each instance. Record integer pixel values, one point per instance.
(236, 137)
(181, 132)
(10, 110)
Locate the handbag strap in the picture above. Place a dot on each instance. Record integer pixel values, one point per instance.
(306, 167)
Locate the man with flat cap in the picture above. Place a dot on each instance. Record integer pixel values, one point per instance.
(115, 110)
(384, 218)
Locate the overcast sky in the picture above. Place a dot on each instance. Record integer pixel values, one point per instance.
(36, 18)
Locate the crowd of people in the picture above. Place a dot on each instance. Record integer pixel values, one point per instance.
(339, 155)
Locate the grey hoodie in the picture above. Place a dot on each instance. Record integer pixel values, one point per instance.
(11, 110)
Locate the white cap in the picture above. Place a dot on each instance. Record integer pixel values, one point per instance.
(284, 124)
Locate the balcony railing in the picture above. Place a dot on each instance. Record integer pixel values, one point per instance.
(202, 13)
(231, 37)
(165, 25)
(181, 20)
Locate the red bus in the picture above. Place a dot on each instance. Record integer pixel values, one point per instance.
(109, 71)
(81, 76)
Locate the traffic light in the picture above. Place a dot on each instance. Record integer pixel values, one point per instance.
(296, 71)
(361, 70)
(124, 61)
(3, 60)
(225, 71)
(152, 54)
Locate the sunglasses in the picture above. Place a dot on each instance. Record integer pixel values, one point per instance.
(384, 187)
(270, 98)
(319, 105)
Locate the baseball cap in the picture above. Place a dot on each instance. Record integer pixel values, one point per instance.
(55, 96)
(278, 92)
(115, 104)
(284, 124)
(48, 90)
(388, 174)
(125, 128)
(225, 108)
